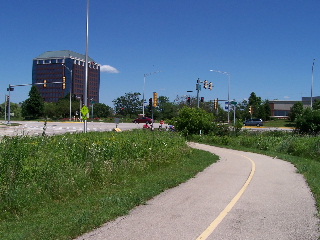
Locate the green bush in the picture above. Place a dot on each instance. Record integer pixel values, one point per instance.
(309, 121)
(193, 120)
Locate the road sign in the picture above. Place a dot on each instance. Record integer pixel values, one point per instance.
(85, 112)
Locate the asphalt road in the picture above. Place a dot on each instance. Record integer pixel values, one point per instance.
(261, 129)
(243, 196)
(53, 128)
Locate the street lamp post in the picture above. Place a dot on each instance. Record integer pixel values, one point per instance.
(311, 100)
(70, 89)
(85, 94)
(228, 74)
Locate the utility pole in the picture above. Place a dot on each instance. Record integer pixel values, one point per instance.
(311, 99)
(198, 88)
(85, 94)
(206, 85)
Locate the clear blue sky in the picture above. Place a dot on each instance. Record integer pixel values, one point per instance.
(267, 46)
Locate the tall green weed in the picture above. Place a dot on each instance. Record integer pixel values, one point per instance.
(287, 143)
(37, 170)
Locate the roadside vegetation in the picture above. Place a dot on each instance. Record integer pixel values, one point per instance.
(58, 187)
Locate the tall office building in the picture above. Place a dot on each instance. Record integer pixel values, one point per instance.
(67, 67)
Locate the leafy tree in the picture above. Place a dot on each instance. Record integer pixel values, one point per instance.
(243, 110)
(221, 115)
(101, 110)
(50, 110)
(2, 109)
(261, 109)
(181, 101)
(63, 108)
(166, 109)
(264, 110)
(14, 108)
(33, 107)
(316, 104)
(254, 103)
(129, 104)
(254, 100)
(192, 120)
(296, 110)
(309, 121)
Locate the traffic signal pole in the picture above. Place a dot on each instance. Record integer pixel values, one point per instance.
(9, 110)
(198, 88)
(11, 88)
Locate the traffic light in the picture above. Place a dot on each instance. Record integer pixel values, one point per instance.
(202, 99)
(215, 103)
(63, 82)
(188, 100)
(44, 83)
(150, 102)
(250, 110)
(210, 85)
(205, 84)
(155, 99)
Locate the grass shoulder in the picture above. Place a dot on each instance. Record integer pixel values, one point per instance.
(279, 123)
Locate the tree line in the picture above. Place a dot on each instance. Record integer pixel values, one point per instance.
(35, 107)
(130, 106)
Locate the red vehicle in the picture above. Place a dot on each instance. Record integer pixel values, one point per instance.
(143, 120)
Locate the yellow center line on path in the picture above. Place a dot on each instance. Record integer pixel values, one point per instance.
(228, 208)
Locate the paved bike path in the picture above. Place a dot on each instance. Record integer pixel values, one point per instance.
(243, 196)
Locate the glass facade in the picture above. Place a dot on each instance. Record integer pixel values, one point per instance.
(56, 77)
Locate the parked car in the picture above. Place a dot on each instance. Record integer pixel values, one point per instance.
(143, 120)
(253, 122)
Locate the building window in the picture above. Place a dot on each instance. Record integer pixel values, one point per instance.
(281, 112)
